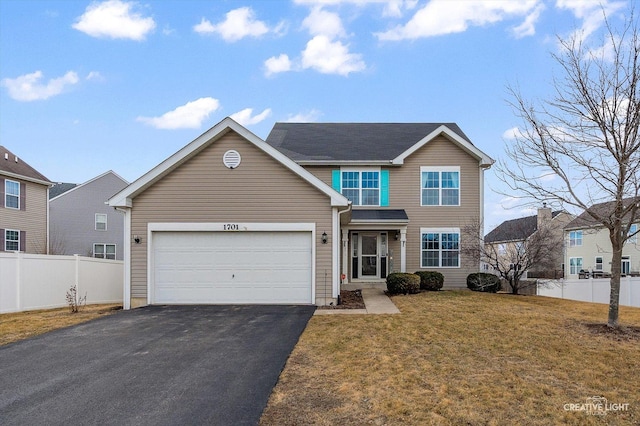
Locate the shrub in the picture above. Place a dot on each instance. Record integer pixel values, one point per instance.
(481, 281)
(430, 280)
(403, 283)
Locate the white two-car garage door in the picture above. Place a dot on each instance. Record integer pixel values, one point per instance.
(231, 267)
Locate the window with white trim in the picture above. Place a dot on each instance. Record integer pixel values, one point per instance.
(104, 251)
(599, 263)
(11, 240)
(11, 194)
(575, 265)
(575, 238)
(361, 187)
(439, 186)
(440, 248)
(633, 229)
(101, 222)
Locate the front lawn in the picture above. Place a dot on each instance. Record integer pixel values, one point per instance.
(462, 358)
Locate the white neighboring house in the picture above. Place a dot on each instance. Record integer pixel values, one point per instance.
(82, 223)
(588, 249)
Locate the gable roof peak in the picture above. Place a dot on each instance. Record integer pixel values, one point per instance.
(12, 165)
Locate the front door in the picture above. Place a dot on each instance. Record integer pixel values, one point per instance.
(369, 256)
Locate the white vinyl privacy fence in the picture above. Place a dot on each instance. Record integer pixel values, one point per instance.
(592, 290)
(33, 281)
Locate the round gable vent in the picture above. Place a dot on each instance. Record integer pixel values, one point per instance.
(231, 159)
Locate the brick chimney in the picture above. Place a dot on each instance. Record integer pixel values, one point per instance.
(544, 216)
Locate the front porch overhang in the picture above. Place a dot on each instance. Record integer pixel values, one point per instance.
(375, 220)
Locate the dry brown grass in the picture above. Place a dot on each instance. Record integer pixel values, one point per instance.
(21, 325)
(461, 358)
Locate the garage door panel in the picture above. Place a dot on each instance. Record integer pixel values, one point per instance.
(232, 267)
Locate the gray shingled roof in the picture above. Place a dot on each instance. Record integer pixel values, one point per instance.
(9, 164)
(585, 220)
(350, 141)
(515, 229)
(60, 188)
(379, 215)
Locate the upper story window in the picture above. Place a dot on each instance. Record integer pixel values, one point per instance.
(363, 187)
(633, 236)
(11, 194)
(101, 222)
(440, 186)
(575, 238)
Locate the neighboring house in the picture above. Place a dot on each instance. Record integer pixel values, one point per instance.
(588, 247)
(231, 218)
(23, 206)
(82, 223)
(511, 234)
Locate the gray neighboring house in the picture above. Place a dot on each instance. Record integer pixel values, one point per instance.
(82, 223)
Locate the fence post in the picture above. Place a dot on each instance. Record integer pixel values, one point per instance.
(591, 283)
(18, 281)
(77, 259)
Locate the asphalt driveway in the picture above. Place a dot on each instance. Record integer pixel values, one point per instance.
(160, 365)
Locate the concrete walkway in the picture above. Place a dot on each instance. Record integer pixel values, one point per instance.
(375, 301)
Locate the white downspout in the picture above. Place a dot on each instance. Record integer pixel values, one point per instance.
(126, 299)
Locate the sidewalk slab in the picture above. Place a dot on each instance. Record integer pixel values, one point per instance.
(375, 301)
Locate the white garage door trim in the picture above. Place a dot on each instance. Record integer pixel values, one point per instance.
(227, 227)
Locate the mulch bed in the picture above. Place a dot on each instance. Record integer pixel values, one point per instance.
(348, 300)
(620, 333)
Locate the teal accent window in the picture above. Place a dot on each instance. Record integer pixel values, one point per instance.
(440, 186)
(440, 248)
(362, 188)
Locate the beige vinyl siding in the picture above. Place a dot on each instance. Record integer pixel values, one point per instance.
(204, 190)
(596, 242)
(32, 220)
(405, 193)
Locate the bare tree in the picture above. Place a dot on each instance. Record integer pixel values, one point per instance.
(512, 260)
(580, 147)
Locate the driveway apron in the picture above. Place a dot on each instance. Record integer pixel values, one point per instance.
(158, 365)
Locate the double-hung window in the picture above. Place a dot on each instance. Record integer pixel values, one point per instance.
(104, 251)
(11, 194)
(440, 248)
(101, 222)
(575, 238)
(11, 240)
(575, 265)
(633, 236)
(361, 187)
(440, 186)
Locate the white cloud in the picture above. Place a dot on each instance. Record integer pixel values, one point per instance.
(94, 76)
(188, 116)
(238, 24)
(512, 133)
(275, 65)
(321, 22)
(592, 12)
(391, 8)
(29, 87)
(305, 117)
(528, 27)
(331, 57)
(245, 118)
(114, 19)
(440, 17)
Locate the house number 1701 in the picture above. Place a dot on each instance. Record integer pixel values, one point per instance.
(230, 227)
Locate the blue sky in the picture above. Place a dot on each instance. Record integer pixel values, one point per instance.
(87, 87)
